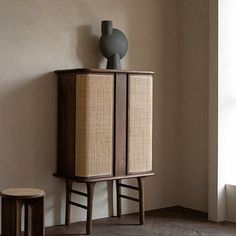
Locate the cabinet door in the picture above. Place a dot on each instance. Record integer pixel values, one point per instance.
(139, 123)
(94, 125)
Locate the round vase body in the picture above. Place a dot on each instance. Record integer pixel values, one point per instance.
(113, 45)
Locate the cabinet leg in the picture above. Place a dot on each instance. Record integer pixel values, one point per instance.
(68, 198)
(141, 200)
(118, 198)
(90, 190)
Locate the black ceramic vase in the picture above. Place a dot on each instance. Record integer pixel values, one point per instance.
(113, 45)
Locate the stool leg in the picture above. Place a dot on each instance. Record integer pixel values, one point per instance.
(37, 218)
(90, 190)
(68, 198)
(118, 198)
(141, 200)
(11, 217)
(26, 220)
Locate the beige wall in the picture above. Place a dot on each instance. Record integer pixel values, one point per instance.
(194, 80)
(38, 37)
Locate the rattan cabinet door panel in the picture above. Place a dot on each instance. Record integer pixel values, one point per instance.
(94, 125)
(139, 123)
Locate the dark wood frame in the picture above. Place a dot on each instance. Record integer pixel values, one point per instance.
(67, 119)
(87, 70)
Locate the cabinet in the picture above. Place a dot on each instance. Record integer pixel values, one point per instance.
(104, 125)
(104, 122)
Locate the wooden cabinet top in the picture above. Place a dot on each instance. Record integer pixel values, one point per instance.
(87, 70)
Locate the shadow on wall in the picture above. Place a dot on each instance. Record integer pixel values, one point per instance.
(28, 124)
(110, 196)
(28, 139)
(88, 47)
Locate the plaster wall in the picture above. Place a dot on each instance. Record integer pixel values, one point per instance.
(194, 92)
(38, 37)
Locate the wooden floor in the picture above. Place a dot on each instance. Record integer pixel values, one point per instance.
(174, 221)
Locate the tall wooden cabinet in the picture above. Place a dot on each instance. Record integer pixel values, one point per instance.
(104, 124)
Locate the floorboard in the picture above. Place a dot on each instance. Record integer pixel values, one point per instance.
(174, 221)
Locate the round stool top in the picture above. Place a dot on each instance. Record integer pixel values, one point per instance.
(23, 193)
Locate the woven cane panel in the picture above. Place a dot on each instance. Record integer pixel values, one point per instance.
(140, 123)
(94, 123)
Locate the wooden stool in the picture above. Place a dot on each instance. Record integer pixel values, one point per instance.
(12, 201)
